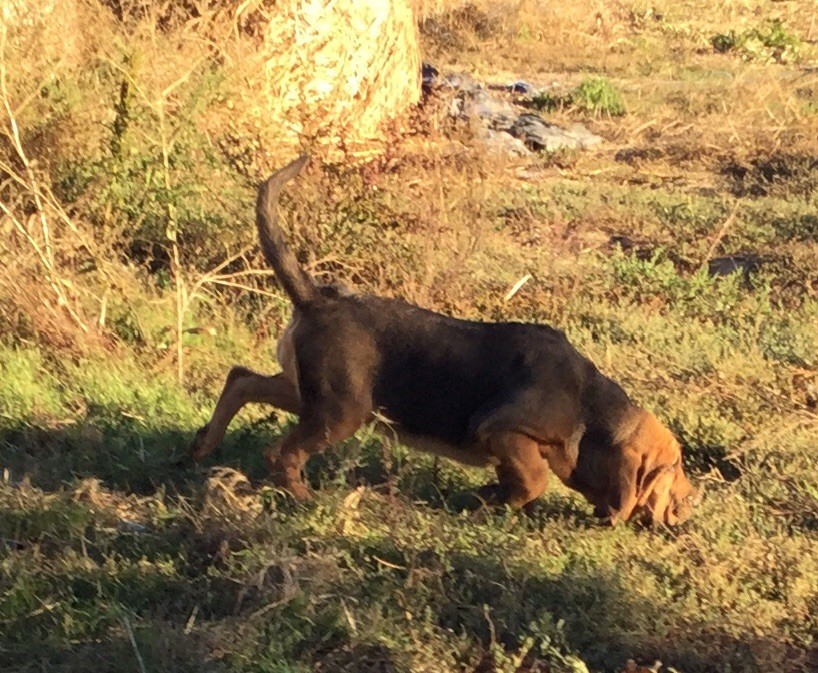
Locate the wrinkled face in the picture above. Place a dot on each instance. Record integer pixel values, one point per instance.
(644, 478)
(672, 498)
(664, 493)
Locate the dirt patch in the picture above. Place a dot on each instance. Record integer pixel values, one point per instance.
(775, 175)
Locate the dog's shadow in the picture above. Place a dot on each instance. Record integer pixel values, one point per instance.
(587, 607)
(137, 460)
(125, 456)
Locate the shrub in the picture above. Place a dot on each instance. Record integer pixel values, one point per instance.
(599, 96)
(768, 42)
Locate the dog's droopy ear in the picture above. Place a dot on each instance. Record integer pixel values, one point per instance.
(663, 489)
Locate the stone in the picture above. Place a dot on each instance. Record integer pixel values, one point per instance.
(499, 117)
(539, 134)
(503, 143)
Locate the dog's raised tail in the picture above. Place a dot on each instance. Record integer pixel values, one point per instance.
(296, 282)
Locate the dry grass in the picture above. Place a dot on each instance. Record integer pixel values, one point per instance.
(128, 201)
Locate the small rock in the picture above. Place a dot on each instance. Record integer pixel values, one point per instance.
(585, 137)
(504, 143)
(539, 134)
(724, 266)
(521, 87)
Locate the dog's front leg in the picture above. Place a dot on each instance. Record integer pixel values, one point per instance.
(522, 472)
(243, 386)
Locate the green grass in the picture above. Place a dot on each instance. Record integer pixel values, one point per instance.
(594, 95)
(117, 553)
(598, 95)
(771, 41)
(401, 580)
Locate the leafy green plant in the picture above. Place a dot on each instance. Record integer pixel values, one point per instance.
(769, 42)
(598, 95)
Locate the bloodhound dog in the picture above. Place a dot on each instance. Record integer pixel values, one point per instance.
(517, 397)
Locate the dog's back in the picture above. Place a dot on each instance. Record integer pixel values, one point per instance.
(432, 374)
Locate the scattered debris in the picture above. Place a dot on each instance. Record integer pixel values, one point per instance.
(502, 121)
(521, 87)
(516, 287)
(228, 491)
(477, 104)
(497, 141)
(461, 81)
(539, 134)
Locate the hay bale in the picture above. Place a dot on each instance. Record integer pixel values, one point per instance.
(337, 71)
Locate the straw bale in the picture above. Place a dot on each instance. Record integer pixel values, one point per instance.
(336, 71)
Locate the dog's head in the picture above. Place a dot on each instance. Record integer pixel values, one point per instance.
(664, 493)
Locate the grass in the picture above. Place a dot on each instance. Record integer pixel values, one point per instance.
(770, 42)
(117, 553)
(595, 95)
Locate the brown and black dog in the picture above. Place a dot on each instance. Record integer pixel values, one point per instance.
(514, 396)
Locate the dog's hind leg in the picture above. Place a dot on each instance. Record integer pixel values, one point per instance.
(312, 435)
(243, 386)
(522, 472)
(336, 360)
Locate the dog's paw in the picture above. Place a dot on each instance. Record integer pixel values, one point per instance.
(289, 483)
(199, 446)
(299, 491)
